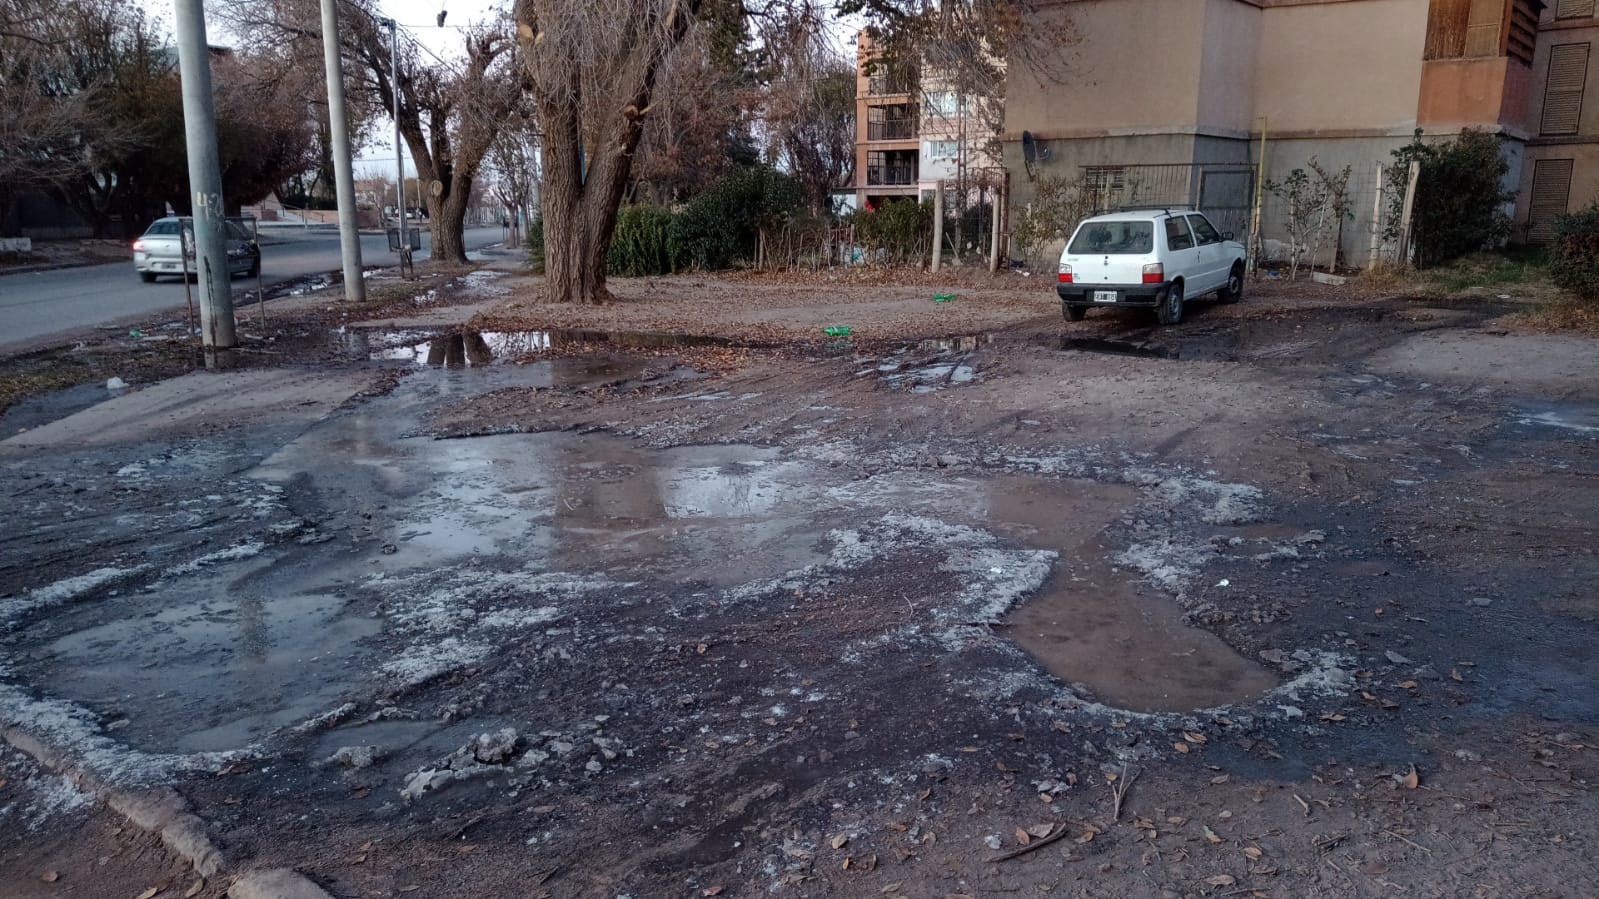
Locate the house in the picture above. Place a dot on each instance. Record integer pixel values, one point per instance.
(1170, 101)
(914, 127)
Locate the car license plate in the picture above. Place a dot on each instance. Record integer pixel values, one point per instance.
(1104, 296)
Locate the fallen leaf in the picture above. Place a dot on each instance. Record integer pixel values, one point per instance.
(1454, 675)
(1221, 880)
(1192, 737)
(410, 889)
(700, 649)
(1041, 830)
(1374, 867)
(1388, 703)
(839, 841)
(1180, 747)
(889, 888)
(148, 893)
(367, 846)
(1023, 837)
(194, 889)
(1334, 717)
(1220, 779)
(50, 877)
(1408, 684)
(1367, 696)
(846, 863)
(1086, 836)
(1253, 853)
(713, 891)
(1176, 820)
(1412, 780)
(1210, 834)
(358, 860)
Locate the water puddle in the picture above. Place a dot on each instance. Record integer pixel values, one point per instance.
(232, 668)
(1568, 417)
(925, 366)
(467, 349)
(1100, 628)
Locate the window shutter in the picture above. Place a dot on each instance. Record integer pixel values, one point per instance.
(1571, 9)
(1562, 93)
(1551, 192)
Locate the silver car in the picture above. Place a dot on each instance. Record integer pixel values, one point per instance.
(157, 252)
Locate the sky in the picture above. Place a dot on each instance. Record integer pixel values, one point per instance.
(418, 19)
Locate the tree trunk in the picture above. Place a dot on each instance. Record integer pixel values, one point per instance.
(448, 214)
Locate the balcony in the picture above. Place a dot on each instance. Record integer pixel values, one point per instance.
(890, 175)
(891, 84)
(897, 129)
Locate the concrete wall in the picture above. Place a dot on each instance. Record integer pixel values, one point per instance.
(1228, 71)
(1135, 69)
(1341, 69)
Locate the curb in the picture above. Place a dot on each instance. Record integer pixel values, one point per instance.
(162, 811)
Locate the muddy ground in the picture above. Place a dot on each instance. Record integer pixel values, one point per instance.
(680, 597)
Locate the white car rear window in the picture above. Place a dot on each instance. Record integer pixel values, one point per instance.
(1114, 239)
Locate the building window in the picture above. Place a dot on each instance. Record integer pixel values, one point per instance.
(1562, 93)
(1551, 193)
(1478, 29)
(943, 104)
(1574, 9)
(943, 149)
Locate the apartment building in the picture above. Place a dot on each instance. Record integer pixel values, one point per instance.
(1175, 96)
(915, 128)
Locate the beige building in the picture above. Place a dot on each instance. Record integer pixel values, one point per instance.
(1166, 100)
(913, 129)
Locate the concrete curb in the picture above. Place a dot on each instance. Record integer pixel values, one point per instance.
(162, 811)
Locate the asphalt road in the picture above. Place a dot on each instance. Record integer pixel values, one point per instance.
(37, 305)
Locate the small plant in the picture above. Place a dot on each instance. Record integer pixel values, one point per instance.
(1334, 187)
(1307, 214)
(1574, 255)
(1057, 207)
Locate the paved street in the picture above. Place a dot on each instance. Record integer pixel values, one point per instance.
(35, 305)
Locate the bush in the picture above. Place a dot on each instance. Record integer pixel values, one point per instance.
(1058, 205)
(898, 231)
(535, 246)
(1460, 196)
(1574, 255)
(643, 243)
(724, 224)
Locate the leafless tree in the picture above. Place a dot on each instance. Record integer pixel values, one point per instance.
(808, 104)
(449, 110)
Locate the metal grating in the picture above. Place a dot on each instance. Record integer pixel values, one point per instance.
(1571, 9)
(1551, 192)
(1562, 95)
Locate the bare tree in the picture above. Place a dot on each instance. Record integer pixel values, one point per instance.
(449, 111)
(809, 105)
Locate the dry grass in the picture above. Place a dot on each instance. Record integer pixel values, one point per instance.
(1565, 314)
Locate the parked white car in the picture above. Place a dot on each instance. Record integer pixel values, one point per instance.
(1153, 258)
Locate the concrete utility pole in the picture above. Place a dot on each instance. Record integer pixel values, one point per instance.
(938, 225)
(399, 144)
(343, 176)
(205, 178)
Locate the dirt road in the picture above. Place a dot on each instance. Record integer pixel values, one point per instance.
(1291, 600)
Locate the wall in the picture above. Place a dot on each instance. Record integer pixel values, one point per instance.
(1228, 70)
(1135, 68)
(1341, 69)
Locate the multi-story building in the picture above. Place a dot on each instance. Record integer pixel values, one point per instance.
(913, 129)
(1176, 95)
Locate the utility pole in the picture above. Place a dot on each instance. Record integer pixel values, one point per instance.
(399, 145)
(205, 178)
(344, 178)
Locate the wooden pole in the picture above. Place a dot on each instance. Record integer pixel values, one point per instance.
(993, 244)
(1374, 260)
(938, 225)
(1409, 209)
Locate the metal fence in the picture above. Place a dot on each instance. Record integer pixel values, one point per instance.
(1329, 221)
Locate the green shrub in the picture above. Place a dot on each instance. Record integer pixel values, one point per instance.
(535, 246)
(1574, 255)
(643, 243)
(1460, 196)
(898, 231)
(724, 224)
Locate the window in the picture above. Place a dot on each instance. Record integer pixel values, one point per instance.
(1203, 230)
(942, 104)
(1574, 9)
(1551, 193)
(1177, 235)
(1114, 239)
(1562, 92)
(943, 149)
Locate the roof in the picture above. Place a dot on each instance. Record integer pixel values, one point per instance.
(1139, 213)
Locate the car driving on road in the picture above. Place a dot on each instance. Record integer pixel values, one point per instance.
(157, 252)
(1153, 258)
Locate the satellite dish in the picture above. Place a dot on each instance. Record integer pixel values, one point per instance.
(1029, 153)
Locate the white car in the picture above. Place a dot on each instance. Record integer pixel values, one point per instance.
(1154, 258)
(162, 248)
